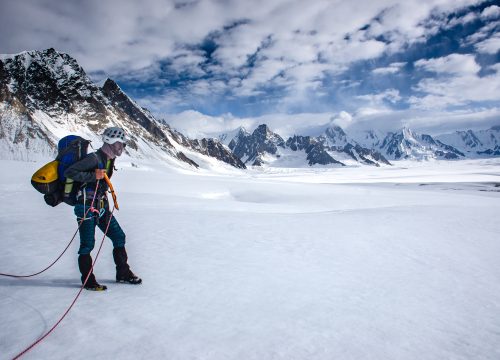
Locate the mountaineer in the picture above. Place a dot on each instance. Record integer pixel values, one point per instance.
(92, 208)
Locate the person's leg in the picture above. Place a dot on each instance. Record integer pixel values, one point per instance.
(87, 242)
(117, 236)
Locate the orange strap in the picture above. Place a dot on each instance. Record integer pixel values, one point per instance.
(106, 178)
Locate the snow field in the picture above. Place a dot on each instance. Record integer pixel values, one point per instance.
(355, 263)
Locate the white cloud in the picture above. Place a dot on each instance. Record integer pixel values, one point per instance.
(390, 95)
(489, 46)
(427, 121)
(391, 69)
(342, 119)
(462, 86)
(117, 36)
(464, 20)
(495, 67)
(260, 44)
(452, 64)
(197, 125)
(491, 12)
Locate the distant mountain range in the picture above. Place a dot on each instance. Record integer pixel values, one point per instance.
(266, 147)
(336, 147)
(45, 95)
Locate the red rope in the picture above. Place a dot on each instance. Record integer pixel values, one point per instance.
(66, 248)
(74, 300)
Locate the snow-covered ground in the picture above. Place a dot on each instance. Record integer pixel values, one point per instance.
(354, 263)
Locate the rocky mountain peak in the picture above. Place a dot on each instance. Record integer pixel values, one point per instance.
(336, 136)
(49, 81)
(250, 147)
(407, 144)
(407, 133)
(262, 129)
(111, 86)
(263, 134)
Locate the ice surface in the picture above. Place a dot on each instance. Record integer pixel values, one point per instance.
(355, 263)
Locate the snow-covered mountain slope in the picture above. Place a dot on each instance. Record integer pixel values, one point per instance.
(45, 95)
(475, 143)
(336, 141)
(226, 137)
(407, 144)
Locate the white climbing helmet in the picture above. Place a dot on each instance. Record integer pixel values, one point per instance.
(114, 134)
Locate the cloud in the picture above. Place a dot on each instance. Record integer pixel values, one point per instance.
(390, 95)
(342, 119)
(116, 35)
(489, 46)
(451, 64)
(491, 12)
(197, 125)
(266, 56)
(461, 87)
(391, 69)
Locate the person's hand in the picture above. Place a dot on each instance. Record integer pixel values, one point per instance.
(99, 174)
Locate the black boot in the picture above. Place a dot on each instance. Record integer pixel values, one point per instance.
(85, 265)
(123, 272)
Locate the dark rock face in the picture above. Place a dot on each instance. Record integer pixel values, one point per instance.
(250, 148)
(491, 152)
(393, 144)
(365, 155)
(317, 154)
(214, 148)
(297, 142)
(129, 108)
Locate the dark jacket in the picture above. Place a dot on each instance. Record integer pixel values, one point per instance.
(83, 171)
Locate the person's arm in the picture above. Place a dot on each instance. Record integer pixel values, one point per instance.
(84, 170)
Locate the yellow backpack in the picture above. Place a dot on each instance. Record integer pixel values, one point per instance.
(50, 180)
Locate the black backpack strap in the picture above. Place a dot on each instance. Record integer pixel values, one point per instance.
(100, 163)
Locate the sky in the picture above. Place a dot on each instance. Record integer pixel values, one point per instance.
(212, 65)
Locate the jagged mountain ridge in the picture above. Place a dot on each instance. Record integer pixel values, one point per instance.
(336, 147)
(250, 147)
(263, 146)
(475, 143)
(407, 144)
(45, 95)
